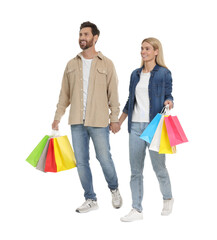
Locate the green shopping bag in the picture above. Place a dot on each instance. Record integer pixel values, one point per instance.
(34, 156)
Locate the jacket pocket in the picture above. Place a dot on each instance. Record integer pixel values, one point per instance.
(102, 71)
(72, 76)
(101, 76)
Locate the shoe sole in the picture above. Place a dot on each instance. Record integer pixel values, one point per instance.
(116, 207)
(89, 210)
(166, 214)
(122, 220)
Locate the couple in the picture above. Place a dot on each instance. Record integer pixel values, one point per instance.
(89, 86)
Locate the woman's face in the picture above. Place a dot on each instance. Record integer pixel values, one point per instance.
(147, 52)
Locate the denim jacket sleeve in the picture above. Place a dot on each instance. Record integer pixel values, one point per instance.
(125, 110)
(168, 87)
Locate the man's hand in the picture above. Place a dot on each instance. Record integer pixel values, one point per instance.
(170, 104)
(55, 125)
(114, 127)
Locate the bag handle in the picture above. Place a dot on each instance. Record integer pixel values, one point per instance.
(55, 133)
(165, 110)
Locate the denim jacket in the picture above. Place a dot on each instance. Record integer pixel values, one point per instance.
(160, 89)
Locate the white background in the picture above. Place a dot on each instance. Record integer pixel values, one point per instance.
(37, 39)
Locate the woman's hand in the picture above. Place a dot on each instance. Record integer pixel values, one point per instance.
(170, 103)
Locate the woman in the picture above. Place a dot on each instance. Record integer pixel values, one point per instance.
(150, 90)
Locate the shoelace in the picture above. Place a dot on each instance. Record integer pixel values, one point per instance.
(87, 203)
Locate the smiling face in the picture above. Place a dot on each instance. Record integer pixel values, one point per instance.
(147, 52)
(86, 38)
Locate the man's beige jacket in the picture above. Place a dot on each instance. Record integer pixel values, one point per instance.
(102, 93)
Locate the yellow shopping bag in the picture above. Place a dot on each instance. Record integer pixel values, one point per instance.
(165, 146)
(64, 155)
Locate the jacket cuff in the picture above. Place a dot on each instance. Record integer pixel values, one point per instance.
(114, 119)
(57, 117)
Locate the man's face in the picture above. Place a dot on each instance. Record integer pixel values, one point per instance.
(86, 38)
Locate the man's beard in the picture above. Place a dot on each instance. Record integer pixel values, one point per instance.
(88, 45)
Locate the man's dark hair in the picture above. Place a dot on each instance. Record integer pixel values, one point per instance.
(95, 30)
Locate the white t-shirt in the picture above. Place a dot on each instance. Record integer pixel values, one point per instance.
(86, 73)
(141, 108)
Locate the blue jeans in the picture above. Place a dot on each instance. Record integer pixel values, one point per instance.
(137, 156)
(100, 136)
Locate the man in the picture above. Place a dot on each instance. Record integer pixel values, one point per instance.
(89, 85)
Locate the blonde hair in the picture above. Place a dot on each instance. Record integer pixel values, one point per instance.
(156, 44)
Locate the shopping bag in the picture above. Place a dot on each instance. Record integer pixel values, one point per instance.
(34, 156)
(42, 159)
(50, 164)
(155, 143)
(150, 130)
(175, 131)
(64, 155)
(165, 146)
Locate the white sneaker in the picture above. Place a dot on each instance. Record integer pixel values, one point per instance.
(133, 215)
(116, 198)
(87, 206)
(167, 207)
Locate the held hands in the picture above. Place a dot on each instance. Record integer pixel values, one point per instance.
(114, 127)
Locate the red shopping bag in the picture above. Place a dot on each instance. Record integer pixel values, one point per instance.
(175, 131)
(50, 164)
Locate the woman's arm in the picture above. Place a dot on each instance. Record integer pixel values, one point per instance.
(122, 118)
(168, 92)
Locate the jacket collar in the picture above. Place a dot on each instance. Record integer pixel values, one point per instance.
(99, 55)
(156, 68)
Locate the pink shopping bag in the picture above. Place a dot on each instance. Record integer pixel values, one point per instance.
(175, 131)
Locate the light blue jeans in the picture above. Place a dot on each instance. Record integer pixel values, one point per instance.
(100, 136)
(137, 157)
